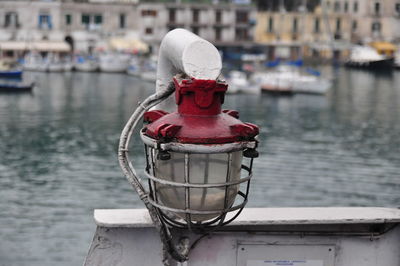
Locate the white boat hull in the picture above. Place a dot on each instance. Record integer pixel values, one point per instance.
(292, 82)
(55, 67)
(87, 66)
(238, 83)
(35, 67)
(68, 66)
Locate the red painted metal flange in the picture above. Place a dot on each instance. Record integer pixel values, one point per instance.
(199, 119)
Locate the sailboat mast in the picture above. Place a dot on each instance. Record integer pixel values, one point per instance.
(281, 19)
(303, 27)
(325, 17)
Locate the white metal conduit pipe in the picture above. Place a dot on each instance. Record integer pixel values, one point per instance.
(184, 52)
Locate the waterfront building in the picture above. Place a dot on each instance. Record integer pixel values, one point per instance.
(224, 24)
(326, 28)
(87, 24)
(83, 25)
(93, 23)
(294, 31)
(375, 20)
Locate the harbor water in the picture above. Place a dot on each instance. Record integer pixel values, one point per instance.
(58, 154)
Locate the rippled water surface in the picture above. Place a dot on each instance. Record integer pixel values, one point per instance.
(58, 154)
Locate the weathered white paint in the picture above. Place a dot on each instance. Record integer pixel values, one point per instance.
(334, 236)
(184, 52)
(264, 216)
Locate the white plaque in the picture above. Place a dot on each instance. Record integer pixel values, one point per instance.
(285, 255)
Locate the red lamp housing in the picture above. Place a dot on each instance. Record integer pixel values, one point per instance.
(194, 156)
(199, 119)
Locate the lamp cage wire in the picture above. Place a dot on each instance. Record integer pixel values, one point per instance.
(184, 217)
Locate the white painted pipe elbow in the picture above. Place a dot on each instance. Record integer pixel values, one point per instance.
(184, 52)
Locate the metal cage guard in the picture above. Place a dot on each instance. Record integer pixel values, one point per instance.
(187, 223)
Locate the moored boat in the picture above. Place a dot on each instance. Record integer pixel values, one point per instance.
(239, 83)
(13, 74)
(273, 82)
(287, 80)
(368, 58)
(9, 70)
(312, 83)
(34, 62)
(15, 86)
(68, 64)
(55, 63)
(278, 90)
(86, 63)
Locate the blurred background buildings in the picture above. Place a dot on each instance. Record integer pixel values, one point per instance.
(331, 140)
(277, 28)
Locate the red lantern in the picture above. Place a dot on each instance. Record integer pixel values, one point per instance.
(194, 156)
